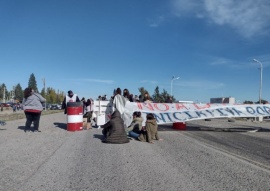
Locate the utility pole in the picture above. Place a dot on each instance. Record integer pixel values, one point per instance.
(4, 95)
(13, 95)
(261, 70)
(44, 85)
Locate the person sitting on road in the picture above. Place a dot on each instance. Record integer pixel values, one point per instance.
(114, 131)
(134, 130)
(150, 131)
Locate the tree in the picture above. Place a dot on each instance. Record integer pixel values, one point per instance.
(262, 101)
(248, 102)
(32, 83)
(18, 92)
(53, 96)
(59, 97)
(2, 93)
(164, 95)
(142, 91)
(43, 93)
(157, 97)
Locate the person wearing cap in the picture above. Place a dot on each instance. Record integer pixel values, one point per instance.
(70, 97)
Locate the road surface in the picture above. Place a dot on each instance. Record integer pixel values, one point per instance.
(200, 158)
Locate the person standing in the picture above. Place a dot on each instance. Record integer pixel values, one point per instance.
(70, 97)
(169, 99)
(147, 98)
(32, 106)
(14, 107)
(119, 103)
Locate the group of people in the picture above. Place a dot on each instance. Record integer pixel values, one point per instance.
(129, 96)
(16, 107)
(114, 131)
(147, 133)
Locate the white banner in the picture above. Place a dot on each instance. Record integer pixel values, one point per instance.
(175, 112)
(178, 112)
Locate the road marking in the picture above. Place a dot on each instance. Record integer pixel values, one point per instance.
(251, 162)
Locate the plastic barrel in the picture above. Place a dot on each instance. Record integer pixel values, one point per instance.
(74, 116)
(179, 125)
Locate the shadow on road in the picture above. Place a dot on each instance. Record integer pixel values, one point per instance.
(21, 127)
(61, 125)
(97, 136)
(26, 130)
(193, 127)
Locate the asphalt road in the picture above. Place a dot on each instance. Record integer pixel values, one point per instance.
(201, 158)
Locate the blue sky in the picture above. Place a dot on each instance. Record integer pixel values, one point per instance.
(95, 46)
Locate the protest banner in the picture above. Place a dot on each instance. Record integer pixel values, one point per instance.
(180, 112)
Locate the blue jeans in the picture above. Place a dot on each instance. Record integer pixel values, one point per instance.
(133, 134)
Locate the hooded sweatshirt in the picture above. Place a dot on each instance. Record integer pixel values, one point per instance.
(151, 131)
(114, 129)
(33, 102)
(136, 125)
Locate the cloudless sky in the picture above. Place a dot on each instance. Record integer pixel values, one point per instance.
(94, 46)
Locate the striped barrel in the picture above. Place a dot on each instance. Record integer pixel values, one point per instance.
(74, 116)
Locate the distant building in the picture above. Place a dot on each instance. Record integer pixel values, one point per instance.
(186, 102)
(229, 100)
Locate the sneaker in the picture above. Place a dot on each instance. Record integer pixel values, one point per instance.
(130, 138)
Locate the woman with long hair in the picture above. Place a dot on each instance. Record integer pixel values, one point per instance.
(134, 130)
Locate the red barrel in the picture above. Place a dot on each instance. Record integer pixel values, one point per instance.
(179, 125)
(74, 116)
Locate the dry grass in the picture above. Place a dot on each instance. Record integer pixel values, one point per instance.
(9, 116)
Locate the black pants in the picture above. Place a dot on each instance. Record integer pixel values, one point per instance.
(32, 117)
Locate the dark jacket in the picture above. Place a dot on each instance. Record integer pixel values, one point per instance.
(114, 130)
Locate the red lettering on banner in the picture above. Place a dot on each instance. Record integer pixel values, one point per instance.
(147, 105)
(202, 107)
(139, 105)
(157, 106)
(180, 106)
